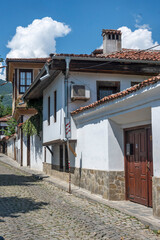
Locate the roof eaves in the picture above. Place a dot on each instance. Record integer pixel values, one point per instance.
(98, 58)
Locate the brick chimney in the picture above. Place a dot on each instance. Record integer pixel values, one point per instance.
(111, 41)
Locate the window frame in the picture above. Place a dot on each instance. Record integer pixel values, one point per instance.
(26, 85)
(110, 85)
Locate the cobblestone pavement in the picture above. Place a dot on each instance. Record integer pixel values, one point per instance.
(31, 209)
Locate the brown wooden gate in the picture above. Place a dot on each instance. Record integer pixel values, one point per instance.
(139, 165)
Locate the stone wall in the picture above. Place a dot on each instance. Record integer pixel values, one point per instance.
(156, 196)
(111, 185)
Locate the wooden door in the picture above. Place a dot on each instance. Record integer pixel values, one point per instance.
(138, 163)
(149, 166)
(28, 150)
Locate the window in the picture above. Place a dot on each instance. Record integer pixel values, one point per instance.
(55, 106)
(107, 88)
(25, 80)
(49, 110)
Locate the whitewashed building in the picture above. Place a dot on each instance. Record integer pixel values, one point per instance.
(111, 137)
(22, 72)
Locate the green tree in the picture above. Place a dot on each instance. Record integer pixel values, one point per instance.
(12, 123)
(4, 110)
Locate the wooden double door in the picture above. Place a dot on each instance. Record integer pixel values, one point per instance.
(139, 165)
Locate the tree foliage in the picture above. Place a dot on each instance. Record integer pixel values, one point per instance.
(4, 110)
(12, 123)
(33, 126)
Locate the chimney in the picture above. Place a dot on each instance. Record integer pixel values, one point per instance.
(111, 40)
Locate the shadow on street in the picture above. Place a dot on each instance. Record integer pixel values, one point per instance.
(11, 206)
(12, 179)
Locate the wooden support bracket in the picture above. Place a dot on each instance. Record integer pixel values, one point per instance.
(49, 150)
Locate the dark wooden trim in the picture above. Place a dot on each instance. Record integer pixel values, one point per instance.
(58, 141)
(44, 154)
(55, 106)
(123, 66)
(138, 127)
(49, 109)
(49, 150)
(15, 84)
(21, 147)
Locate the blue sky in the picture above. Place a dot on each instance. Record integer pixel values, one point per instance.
(85, 18)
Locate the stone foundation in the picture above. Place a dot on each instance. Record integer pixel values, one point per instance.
(111, 185)
(156, 196)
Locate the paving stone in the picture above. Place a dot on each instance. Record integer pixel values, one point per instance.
(33, 209)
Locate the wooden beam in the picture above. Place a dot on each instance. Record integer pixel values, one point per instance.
(72, 150)
(49, 150)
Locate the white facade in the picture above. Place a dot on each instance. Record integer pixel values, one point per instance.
(100, 138)
(56, 131)
(11, 147)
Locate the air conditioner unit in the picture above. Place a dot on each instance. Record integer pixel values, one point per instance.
(79, 92)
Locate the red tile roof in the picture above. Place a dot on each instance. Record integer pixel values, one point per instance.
(130, 54)
(5, 118)
(123, 93)
(8, 137)
(28, 59)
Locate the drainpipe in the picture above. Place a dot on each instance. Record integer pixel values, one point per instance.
(67, 59)
(47, 71)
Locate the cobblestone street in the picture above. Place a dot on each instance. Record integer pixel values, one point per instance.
(31, 209)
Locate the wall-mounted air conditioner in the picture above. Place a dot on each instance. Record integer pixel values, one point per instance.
(79, 92)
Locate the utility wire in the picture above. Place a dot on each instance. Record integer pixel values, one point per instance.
(101, 64)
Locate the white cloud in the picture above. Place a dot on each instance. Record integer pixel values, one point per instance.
(2, 72)
(37, 39)
(141, 38)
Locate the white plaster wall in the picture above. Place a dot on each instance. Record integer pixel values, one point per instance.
(115, 147)
(156, 139)
(24, 150)
(90, 80)
(92, 145)
(100, 146)
(36, 152)
(56, 129)
(10, 148)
